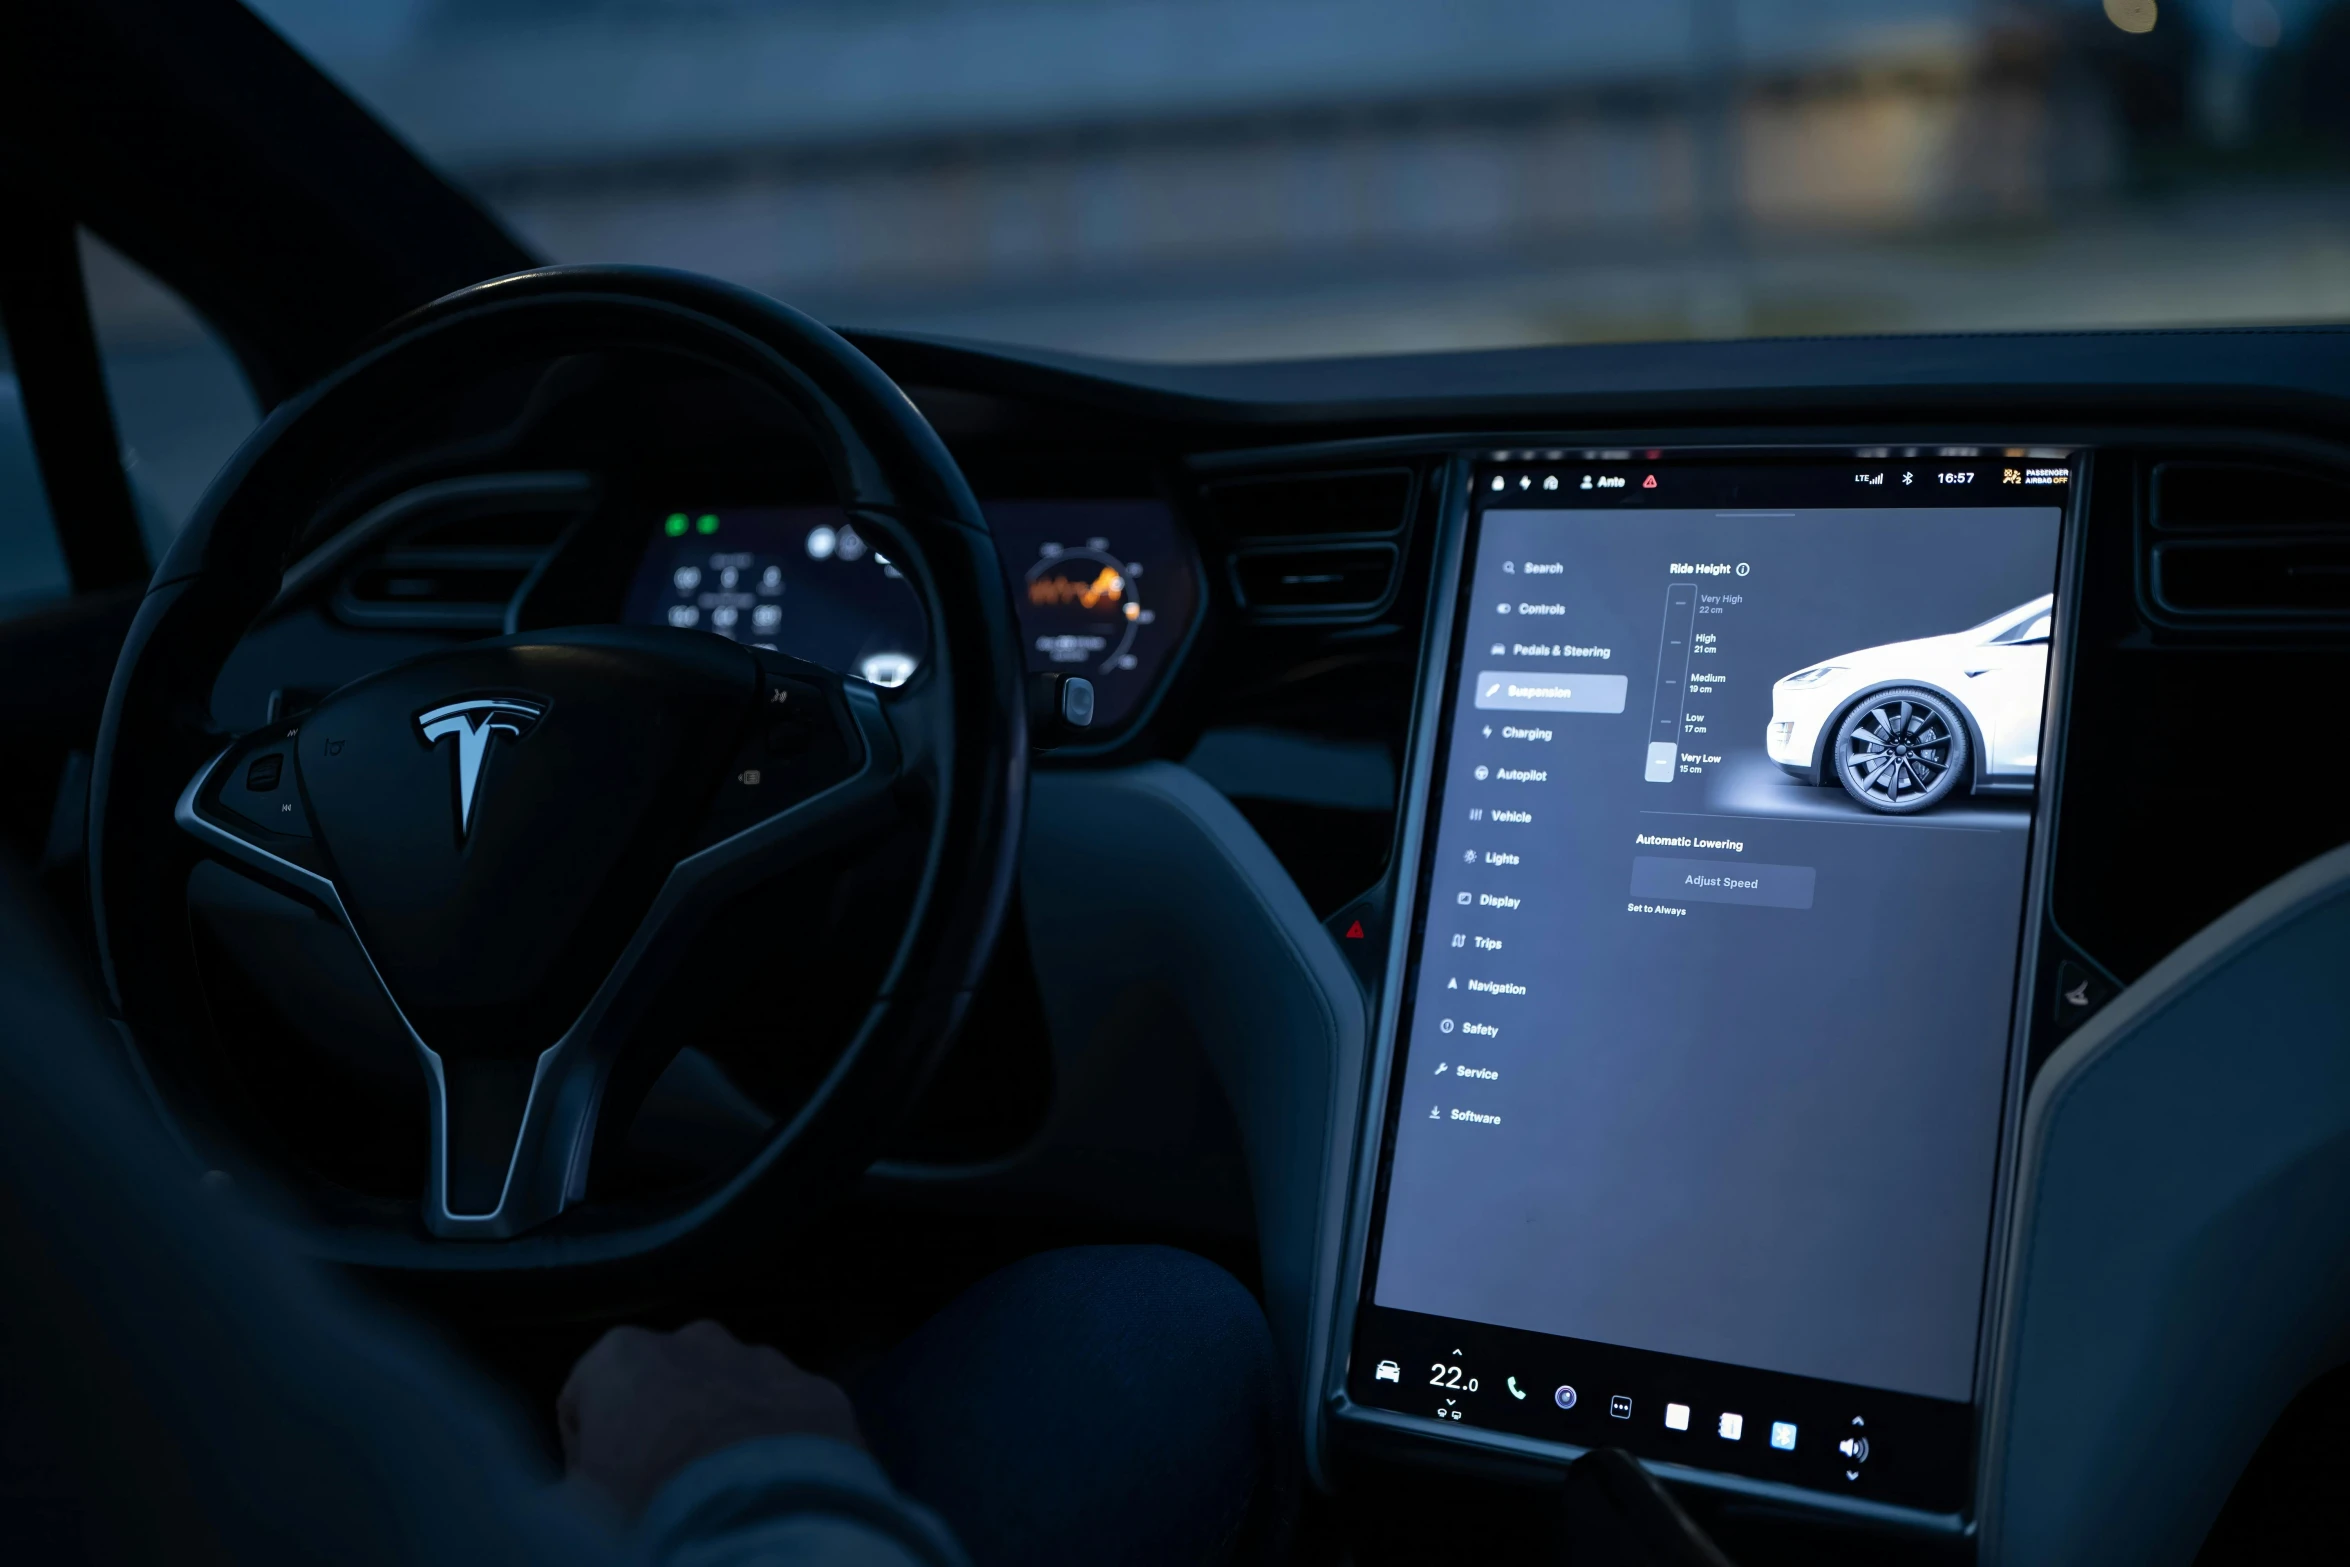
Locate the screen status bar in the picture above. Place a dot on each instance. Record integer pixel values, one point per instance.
(1922, 476)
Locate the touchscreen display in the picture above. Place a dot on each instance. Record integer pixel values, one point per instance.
(1698, 1092)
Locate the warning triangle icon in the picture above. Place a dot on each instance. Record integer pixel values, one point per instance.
(1354, 932)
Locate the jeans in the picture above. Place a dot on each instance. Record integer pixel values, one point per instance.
(1103, 1404)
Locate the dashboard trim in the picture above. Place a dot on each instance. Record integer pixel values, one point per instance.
(2039, 923)
(1411, 828)
(2261, 375)
(1412, 1430)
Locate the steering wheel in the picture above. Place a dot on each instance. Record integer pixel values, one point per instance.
(523, 835)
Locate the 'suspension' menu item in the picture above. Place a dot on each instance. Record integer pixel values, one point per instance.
(1699, 1083)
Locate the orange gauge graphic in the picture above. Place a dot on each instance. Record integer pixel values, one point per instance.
(1084, 607)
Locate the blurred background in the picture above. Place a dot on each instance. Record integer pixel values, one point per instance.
(1228, 179)
(1218, 179)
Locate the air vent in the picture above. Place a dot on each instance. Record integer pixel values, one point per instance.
(507, 529)
(2302, 579)
(1315, 580)
(1375, 501)
(453, 555)
(2249, 543)
(433, 588)
(2244, 497)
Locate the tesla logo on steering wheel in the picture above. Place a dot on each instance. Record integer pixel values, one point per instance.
(471, 722)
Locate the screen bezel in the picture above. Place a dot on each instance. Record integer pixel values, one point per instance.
(1442, 651)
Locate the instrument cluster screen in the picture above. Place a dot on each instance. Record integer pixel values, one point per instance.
(1699, 1084)
(1105, 589)
(793, 579)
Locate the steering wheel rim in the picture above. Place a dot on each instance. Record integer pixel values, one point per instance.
(964, 712)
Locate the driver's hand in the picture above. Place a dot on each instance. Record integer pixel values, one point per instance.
(640, 1406)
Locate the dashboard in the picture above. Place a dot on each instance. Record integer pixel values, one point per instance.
(1726, 774)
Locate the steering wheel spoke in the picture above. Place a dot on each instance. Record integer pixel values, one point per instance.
(245, 805)
(813, 772)
(818, 761)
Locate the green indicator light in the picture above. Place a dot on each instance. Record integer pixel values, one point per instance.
(675, 526)
(707, 524)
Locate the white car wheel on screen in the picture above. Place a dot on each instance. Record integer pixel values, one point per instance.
(1901, 750)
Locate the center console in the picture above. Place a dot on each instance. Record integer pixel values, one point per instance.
(1696, 1080)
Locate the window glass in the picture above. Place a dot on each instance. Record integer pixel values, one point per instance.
(1215, 179)
(181, 404)
(32, 567)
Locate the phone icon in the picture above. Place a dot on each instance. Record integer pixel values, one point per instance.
(1514, 1393)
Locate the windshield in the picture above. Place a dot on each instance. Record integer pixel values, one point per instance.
(1227, 179)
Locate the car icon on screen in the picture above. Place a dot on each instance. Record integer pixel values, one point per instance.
(1388, 1371)
(1904, 726)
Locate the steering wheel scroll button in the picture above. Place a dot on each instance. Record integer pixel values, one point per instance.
(259, 790)
(798, 718)
(802, 741)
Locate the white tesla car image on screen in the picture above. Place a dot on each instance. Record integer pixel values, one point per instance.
(1904, 726)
